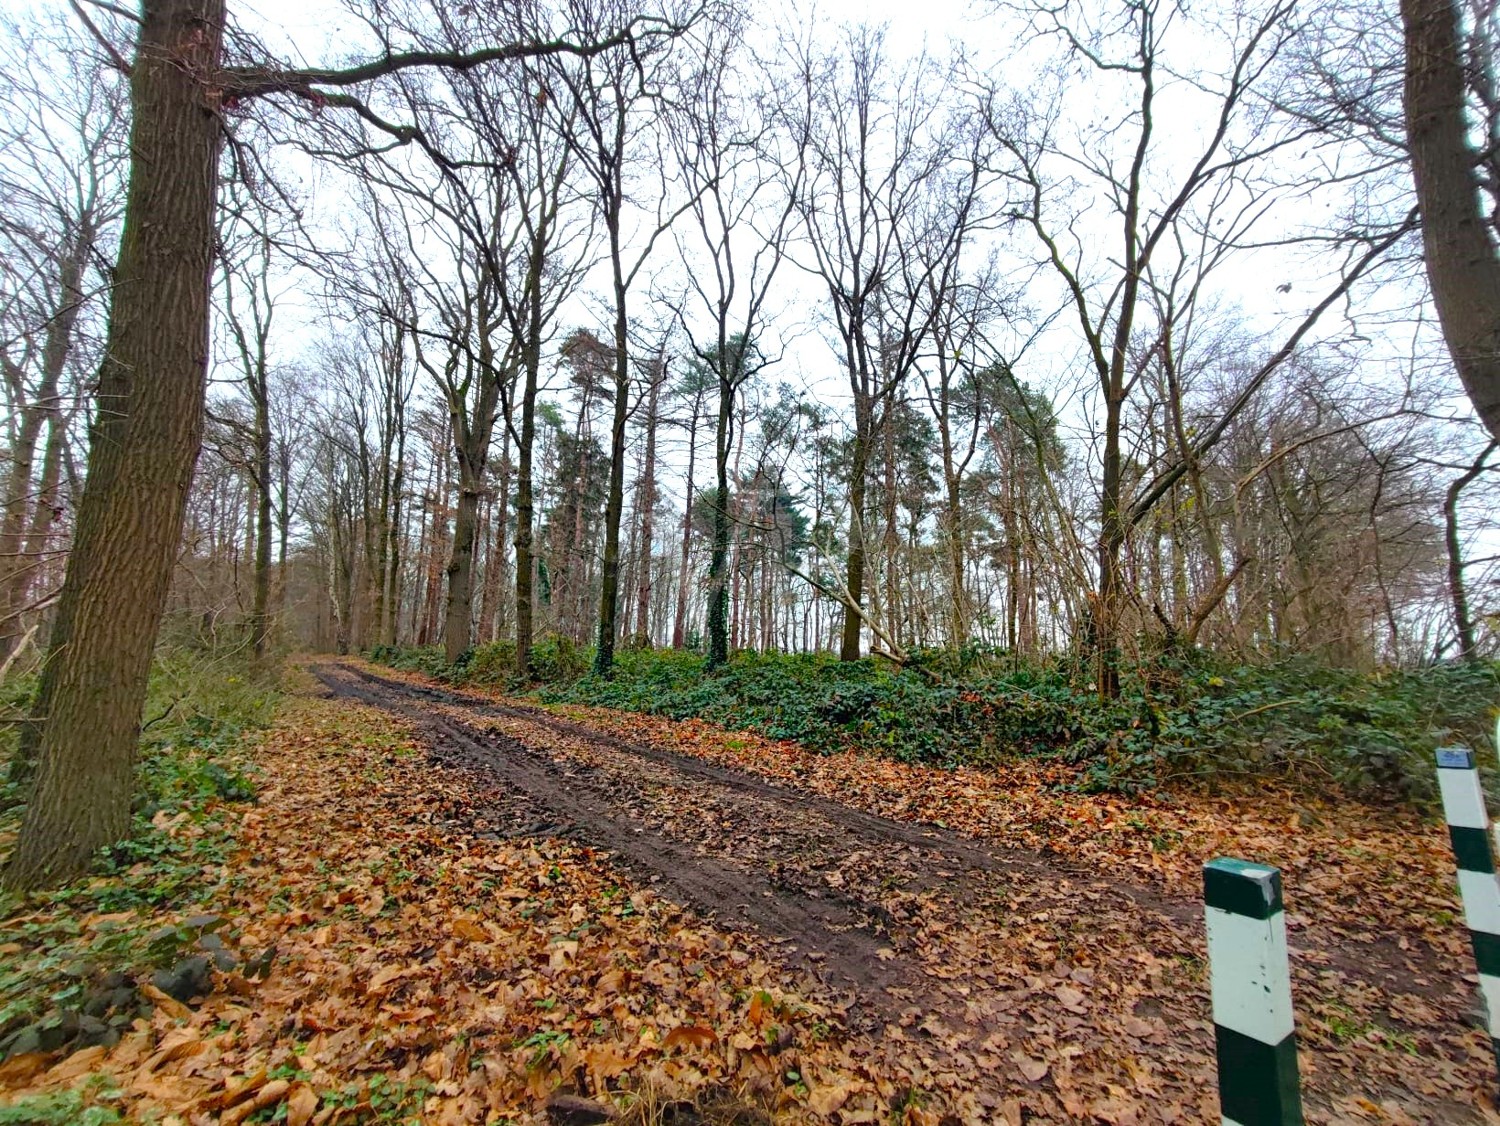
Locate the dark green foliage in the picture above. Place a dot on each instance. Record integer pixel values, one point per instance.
(1179, 719)
(554, 659)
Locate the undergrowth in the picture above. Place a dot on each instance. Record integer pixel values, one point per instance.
(1178, 719)
(194, 769)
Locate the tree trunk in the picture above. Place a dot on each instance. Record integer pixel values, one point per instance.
(648, 510)
(459, 614)
(679, 624)
(1462, 265)
(718, 560)
(854, 582)
(890, 535)
(1111, 540)
(142, 447)
(525, 505)
(260, 614)
(609, 586)
(1457, 592)
(17, 565)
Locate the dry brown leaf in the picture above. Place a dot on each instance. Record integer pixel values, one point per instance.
(830, 1097)
(301, 1105)
(1071, 999)
(235, 1091)
(169, 1005)
(1032, 1069)
(269, 1095)
(698, 1035)
(468, 930)
(21, 1069)
(175, 1045)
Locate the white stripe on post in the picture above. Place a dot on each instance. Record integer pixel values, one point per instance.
(1250, 979)
(1478, 886)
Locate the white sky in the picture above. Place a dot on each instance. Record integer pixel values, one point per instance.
(315, 31)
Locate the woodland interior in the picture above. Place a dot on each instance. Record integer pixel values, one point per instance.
(1094, 401)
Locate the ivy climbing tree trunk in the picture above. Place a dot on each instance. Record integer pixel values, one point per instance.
(142, 447)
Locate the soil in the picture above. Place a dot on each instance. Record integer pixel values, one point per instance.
(985, 971)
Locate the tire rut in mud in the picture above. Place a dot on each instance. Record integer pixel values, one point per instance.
(909, 942)
(1382, 964)
(946, 844)
(834, 941)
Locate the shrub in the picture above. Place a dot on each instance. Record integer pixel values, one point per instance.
(1184, 717)
(555, 659)
(491, 663)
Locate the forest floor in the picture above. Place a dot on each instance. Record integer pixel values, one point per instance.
(476, 902)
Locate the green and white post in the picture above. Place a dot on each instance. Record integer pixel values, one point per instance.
(1478, 887)
(1250, 979)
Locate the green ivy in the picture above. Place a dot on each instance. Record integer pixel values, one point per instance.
(1179, 717)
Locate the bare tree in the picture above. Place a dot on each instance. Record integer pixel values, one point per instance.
(744, 177)
(611, 104)
(874, 143)
(1163, 213)
(61, 158)
(145, 440)
(1462, 243)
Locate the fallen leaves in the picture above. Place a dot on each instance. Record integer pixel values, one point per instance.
(426, 971)
(1087, 958)
(425, 965)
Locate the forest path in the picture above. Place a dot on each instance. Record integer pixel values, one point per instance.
(999, 978)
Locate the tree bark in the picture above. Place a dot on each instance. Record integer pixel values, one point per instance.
(609, 586)
(459, 612)
(1457, 592)
(648, 510)
(1462, 265)
(679, 624)
(854, 582)
(260, 614)
(525, 504)
(142, 448)
(718, 560)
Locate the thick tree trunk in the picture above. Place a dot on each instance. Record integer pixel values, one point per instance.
(142, 448)
(1462, 264)
(459, 614)
(471, 444)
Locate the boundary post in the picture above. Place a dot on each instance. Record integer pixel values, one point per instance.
(1250, 979)
(1478, 887)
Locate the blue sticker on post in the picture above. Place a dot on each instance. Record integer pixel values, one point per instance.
(1455, 758)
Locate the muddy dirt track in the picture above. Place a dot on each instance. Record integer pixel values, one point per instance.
(969, 966)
